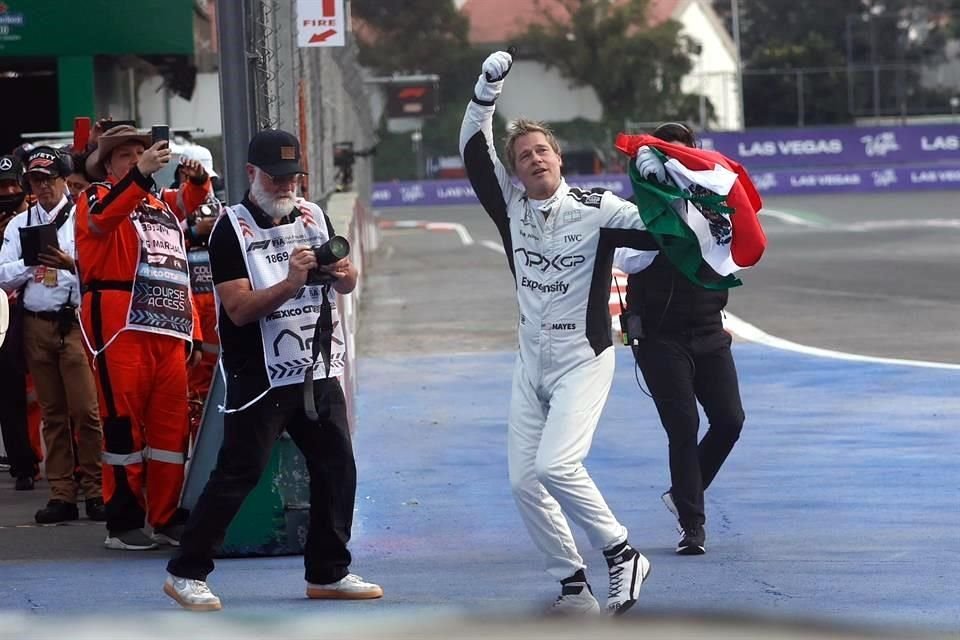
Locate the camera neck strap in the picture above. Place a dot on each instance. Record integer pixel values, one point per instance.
(322, 343)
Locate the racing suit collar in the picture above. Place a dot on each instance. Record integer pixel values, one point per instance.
(548, 206)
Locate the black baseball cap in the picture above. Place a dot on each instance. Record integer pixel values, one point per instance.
(275, 151)
(10, 168)
(45, 160)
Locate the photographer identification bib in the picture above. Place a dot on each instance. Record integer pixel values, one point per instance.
(287, 333)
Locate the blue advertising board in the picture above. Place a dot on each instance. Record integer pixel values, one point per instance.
(768, 182)
(846, 146)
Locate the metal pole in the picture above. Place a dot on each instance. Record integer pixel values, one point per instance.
(237, 115)
(876, 70)
(800, 105)
(735, 9)
(850, 107)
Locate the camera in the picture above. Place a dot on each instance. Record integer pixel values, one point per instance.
(335, 249)
(206, 211)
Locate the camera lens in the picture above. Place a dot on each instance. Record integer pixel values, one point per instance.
(339, 247)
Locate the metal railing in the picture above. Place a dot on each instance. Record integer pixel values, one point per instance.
(316, 93)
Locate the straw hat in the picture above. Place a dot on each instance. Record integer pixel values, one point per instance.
(109, 141)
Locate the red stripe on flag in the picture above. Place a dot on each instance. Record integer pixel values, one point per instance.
(749, 240)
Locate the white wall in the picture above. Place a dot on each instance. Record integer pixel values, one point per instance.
(201, 112)
(715, 70)
(533, 91)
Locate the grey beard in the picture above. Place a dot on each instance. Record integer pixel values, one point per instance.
(274, 207)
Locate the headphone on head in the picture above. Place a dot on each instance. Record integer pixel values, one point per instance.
(62, 163)
(675, 132)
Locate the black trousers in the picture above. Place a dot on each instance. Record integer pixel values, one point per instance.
(248, 439)
(13, 407)
(681, 370)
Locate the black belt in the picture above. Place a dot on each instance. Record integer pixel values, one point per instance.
(50, 316)
(107, 285)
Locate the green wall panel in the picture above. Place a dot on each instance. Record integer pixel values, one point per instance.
(45, 28)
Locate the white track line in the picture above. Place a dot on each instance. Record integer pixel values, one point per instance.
(460, 230)
(493, 246)
(749, 332)
(457, 228)
(883, 225)
(789, 218)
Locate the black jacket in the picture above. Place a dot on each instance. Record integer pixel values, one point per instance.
(669, 304)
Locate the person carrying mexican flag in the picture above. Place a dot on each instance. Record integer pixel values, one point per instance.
(716, 236)
(702, 210)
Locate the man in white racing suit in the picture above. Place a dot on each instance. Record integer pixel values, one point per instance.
(559, 243)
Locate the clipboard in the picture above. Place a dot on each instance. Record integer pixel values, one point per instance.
(35, 239)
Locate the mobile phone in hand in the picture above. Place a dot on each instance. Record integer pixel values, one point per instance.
(160, 132)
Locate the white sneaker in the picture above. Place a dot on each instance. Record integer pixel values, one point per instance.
(628, 569)
(193, 595)
(350, 587)
(576, 599)
(671, 506)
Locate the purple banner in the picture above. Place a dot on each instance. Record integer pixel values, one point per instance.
(774, 182)
(846, 146)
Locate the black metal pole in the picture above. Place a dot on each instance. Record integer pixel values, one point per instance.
(237, 114)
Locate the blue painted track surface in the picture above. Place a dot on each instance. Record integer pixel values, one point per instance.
(838, 504)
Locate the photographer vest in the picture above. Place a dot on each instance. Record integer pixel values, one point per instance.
(288, 332)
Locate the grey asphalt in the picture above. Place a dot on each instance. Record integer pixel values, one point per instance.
(838, 506)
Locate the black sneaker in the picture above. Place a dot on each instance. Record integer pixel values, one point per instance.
(692, 541)
(23, 483)
(169, 535)
(57, 511)
(95, 509)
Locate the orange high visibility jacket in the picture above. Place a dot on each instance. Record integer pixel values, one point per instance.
(108, 247)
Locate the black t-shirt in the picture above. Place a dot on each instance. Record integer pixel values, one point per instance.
(241, 348)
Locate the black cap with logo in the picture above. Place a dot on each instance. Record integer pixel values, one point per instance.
(275, 152)
(46, 160)
(10, 168)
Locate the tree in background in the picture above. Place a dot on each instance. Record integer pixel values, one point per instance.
(421, 37)
(634, 68)
(430, 36)
(844, 43)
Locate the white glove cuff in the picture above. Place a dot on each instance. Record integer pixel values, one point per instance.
(485, 92)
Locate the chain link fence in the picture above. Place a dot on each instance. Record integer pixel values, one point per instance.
(317, 93)
(830, 95)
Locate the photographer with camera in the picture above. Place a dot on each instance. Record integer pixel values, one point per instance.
(52, 342)
(276, 266)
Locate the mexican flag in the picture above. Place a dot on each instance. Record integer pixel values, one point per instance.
(705, 218)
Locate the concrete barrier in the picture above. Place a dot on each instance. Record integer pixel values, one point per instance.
(352, 218)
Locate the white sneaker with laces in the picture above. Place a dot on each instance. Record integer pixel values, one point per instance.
(350, 587)
(575, 599)
(628, 569)
(193, 595)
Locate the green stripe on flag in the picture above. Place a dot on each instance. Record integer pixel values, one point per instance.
(677, 241)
